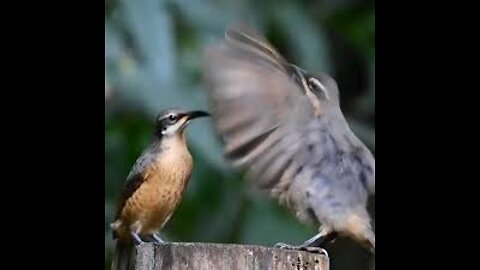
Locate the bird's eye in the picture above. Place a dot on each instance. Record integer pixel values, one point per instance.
(316, 86)
(313, 84)
(172, 118)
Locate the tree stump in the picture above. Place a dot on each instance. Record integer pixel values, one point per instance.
(204, 256)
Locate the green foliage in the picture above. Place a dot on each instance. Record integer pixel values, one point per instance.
(153, 52)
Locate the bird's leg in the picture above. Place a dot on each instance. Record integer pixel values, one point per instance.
(135, 234)
(137, 238)
(158, 239)
(313, 244)
(320, 239)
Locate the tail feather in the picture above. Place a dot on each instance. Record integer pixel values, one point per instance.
(122, 258)
(372, 246)
(370, 242)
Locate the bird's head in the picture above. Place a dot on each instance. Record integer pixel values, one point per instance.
(173, 122)
(324, 87)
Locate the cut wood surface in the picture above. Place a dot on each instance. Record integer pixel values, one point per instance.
(203, 256)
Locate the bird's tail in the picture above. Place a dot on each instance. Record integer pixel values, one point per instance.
(122, 258)
(370, 242)
(372, 245)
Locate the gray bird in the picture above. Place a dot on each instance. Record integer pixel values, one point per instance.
(284, 126)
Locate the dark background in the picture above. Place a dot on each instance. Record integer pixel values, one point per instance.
(153, 54)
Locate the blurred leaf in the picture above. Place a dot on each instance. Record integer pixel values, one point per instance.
(358, 25)
(310, 47)
(366, 104)
(267, 224)
(364, 133)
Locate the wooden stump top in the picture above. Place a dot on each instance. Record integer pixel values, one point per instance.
(212, 256)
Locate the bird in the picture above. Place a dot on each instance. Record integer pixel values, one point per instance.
(284, 127)
(154, 186)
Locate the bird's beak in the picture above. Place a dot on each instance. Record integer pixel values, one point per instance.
(192, 115)
(196, 114)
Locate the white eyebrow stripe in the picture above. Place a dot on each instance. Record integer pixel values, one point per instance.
(320, 85)
(308, 92)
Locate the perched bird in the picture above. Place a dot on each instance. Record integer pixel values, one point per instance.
(155, 185)
(284, 126)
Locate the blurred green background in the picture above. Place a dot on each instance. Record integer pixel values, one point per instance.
(153, 52)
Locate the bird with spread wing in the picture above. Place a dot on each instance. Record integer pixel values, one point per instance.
(284, 126)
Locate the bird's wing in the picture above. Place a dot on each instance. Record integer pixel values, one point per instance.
(131, 185)
(258, 105)
(134, 180)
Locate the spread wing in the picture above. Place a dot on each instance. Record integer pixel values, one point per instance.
(259, 106)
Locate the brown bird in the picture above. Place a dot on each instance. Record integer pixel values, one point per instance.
(155, 185)
(285, 127)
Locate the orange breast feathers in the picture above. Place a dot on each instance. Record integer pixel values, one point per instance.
(165, 181)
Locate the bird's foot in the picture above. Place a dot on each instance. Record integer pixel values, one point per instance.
(138, 240)
(158, 240)
(310, 249)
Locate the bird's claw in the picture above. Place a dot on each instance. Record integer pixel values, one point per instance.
(283, 246)
(139, 242)
(317, 250)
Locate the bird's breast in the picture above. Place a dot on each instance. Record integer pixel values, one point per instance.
(158, 197)
(168, 185)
